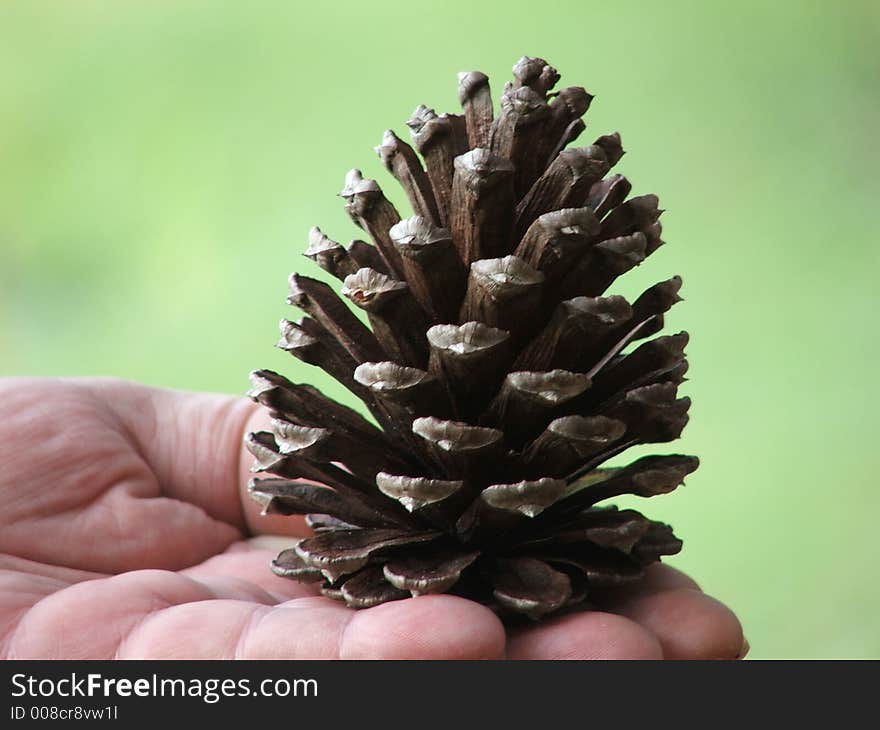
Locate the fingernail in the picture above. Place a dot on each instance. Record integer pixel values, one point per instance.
(743, 652)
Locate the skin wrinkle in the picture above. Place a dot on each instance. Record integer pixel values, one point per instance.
(193, 425)
(222, 586)
(21, 566)
(106, 406)
(69, 506)
(234, 417)
(108, 513)
(249, 564)
(217, 590)
(250, 627)
(310, 627)
(61, 522)
(155, 599)
(341, 638)
(128, 529)
(162, 621)
(47, 469)
(10, 622)
(176, 449)
(132, 633)
(118, 652)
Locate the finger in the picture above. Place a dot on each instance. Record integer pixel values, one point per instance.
(92, 619)
(428, 627)
(688, 624)
(159, 614)
(18, 593)
(319, 628)
(92, 468)
(587, 635)
(193, 443)
(190, 440)
(89, 620)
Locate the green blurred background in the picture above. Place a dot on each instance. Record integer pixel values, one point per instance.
(161, 163)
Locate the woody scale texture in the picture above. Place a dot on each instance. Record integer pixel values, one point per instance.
(499, 372)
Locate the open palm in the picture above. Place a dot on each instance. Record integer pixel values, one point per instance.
(123, 533)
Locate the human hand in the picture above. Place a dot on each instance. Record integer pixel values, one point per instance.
(126, 532)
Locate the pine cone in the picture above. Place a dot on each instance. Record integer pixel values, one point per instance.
(494, 366)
